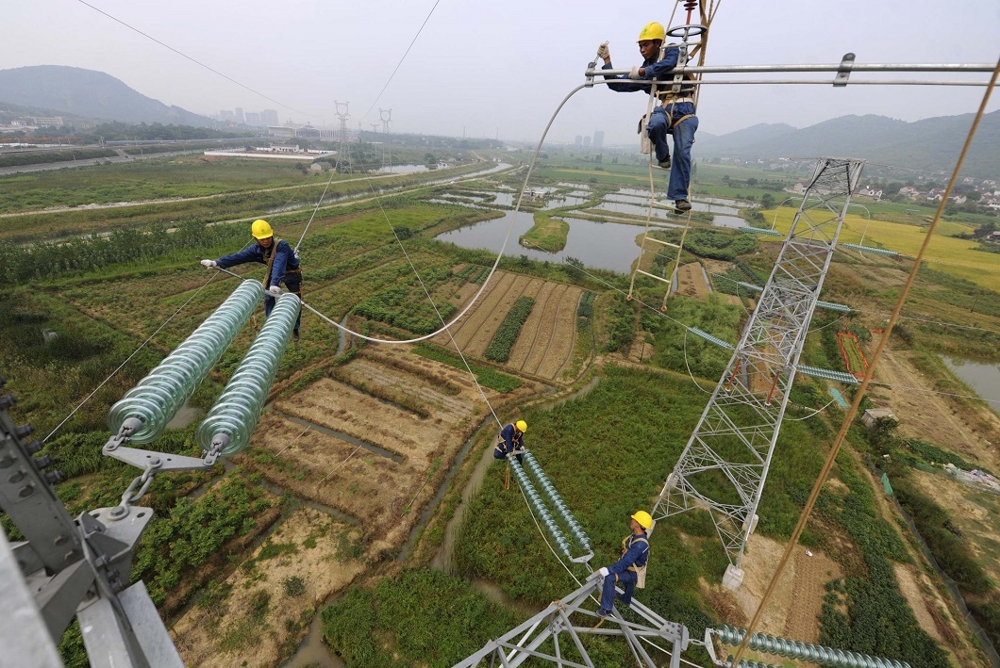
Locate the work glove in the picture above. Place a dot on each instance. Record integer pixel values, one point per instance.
(209, 264)
(603, 570)
(603, 51)
(634, 73)
(274, 291)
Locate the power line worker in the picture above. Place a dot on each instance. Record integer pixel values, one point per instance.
(674, 115)
(630, 570)
(511, 441)
(282, 266)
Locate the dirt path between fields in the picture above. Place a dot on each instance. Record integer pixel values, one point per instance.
(934, 417)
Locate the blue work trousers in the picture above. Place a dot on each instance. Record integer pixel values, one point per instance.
(680, 170)
(293, 283)
(627, 580)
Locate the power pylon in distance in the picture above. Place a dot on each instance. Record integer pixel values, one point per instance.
(344, 150)
(386, 116)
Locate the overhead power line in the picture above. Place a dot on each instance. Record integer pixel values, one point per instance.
(195, 60)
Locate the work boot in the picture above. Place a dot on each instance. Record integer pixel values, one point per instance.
(665, 164)
(295, 335)
(682, 205)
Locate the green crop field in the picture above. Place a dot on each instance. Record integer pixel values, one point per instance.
(956, 257)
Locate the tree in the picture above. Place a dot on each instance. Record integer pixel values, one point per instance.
(767, 201)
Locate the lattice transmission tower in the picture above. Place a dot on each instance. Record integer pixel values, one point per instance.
(724, 465)
(386, 116)
(344, 149)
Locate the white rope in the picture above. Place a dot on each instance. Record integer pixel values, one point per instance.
(134, 353)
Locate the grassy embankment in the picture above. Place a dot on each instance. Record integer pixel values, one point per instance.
(233, 203)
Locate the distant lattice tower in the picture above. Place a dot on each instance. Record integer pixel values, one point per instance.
(724, 465)
(344, 149)
(386, 116)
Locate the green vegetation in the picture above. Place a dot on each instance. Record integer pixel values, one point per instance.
(194, 532)
(718, 244)
(35, 158)
(421, 617)
(506, 336)
(878, 620)
(485, 376)
(547, 234)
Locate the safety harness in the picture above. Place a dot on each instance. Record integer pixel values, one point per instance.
(640, 571)
(272, 252)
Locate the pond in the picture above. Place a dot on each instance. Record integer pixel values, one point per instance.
(602, 245)
(982, 377)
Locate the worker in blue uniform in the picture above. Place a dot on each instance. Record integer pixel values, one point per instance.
(630, 570)
(510, 441)
(674, 115)
(282, 266)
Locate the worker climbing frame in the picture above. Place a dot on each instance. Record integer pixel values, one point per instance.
(693, 42)
(725, 463)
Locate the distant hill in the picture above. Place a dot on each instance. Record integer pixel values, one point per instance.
(931, 145)
(80, 92)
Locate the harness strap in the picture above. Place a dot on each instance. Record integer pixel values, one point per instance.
(270, 261)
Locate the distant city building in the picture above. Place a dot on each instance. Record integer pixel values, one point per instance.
(252, 118)
(239, 115)
(281, 131)
(269, 117)
(579, 140)
(586, 141)
(227, 115)
(598, 138)
(48, 120)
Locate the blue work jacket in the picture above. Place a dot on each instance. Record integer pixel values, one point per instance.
(654, 70)
(634, 553)
(510, 439)
(284, 261)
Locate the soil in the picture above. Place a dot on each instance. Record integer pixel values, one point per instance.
(910, 585)
(417, 411)
(547, 337)
(933, 417)
(975, 513)
(224, 634)
(795, 603)
(691, 281)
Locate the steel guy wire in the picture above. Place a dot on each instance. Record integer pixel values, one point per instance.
(134, 353)
(399, 64)
(193, 60)
(315, 209)
(496, 263)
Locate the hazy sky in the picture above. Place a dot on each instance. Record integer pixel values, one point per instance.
(500, 66)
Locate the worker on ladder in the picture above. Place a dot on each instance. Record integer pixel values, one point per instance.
(282, 266)
(630, 570)
(511, 441)
(674, 115)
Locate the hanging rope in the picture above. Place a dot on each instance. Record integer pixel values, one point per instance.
(859, 395)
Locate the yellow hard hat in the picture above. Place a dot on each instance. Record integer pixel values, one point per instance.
(652, 31)
(261, 230)
(644, 519)
(521, 425)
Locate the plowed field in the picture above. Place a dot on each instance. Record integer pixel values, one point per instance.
(376, 446)
(547, 338)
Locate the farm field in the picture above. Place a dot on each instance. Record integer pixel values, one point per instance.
(416, 413)
(547, 338)
(945, 253)
(362, 458)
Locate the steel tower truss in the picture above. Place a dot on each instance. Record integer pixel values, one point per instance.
(344, 148)
(554, 635)
(724, 465)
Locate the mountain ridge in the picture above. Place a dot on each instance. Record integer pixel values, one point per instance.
(930, 145)
(89, 93)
